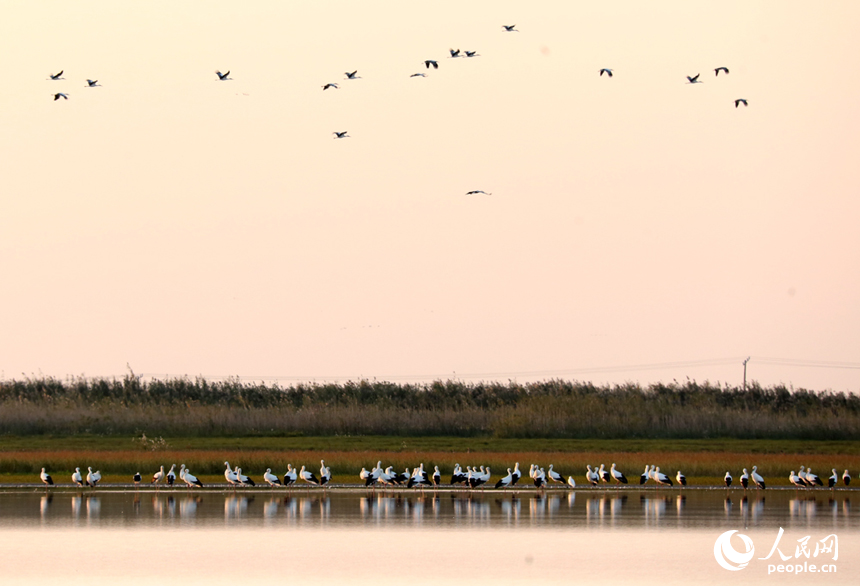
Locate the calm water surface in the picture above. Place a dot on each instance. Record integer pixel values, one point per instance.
(211, 537)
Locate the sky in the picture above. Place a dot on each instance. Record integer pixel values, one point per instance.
(639, 228)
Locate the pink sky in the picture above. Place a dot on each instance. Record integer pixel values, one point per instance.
(187, 226)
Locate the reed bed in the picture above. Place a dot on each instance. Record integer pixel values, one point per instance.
(549, 409)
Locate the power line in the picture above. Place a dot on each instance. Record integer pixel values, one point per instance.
(754, 361)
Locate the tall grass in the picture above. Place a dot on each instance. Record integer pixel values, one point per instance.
(181, 407)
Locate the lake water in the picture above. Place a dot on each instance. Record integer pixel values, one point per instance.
(350, 536)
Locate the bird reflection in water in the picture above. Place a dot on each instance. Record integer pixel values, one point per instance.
(77, 501)
(510, 509)
(188, 507)
(236, 506)
(94, 508)
(680, 503)
(44, 505)
(803, 508)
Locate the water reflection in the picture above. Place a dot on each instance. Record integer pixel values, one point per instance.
(554, 509)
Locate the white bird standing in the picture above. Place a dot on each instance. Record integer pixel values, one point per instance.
(796, 480)
(745, 478)
(270, 478)
(603, 474)
(505, 481)
(158, 476)
(554, 476)
(727, 479)
(759, 481)
(645, 476)
(230, 476)
(77, 478)
(846, 478)
(437, 476)
(308, 476)
(243, 480)
(516, 474)
(325, 473)
(831, 482)
(811, 479)
(591, 477)
(136, 478)
(290, 476)
(662, 478)
(571, 482)
(171, 475)
(91, 481)
(617, 475)
(46, 478)
(189, 479)
(682, 480)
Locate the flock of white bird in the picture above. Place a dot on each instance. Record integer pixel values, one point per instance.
(472, 477)
(428, 64)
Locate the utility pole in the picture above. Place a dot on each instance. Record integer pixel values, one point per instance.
(745, 372)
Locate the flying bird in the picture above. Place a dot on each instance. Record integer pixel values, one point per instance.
(352, 75)
(740, 101)
(223, 76)
(93, 83)
(454, 53)
(328, 85)
(477, 191)
(510, 28)
(56, 76)
(694, 79)
(61, 95)
(341, 134)
(472, 54)
(607, 71)
(430, 63)
(418, 75)
(718, 69)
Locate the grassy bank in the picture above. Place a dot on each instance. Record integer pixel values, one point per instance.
(552, 409)
(117, 458)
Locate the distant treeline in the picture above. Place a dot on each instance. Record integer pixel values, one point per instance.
(548, 409)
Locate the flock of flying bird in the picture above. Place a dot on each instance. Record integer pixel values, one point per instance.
(428, 64)
(471, 477)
